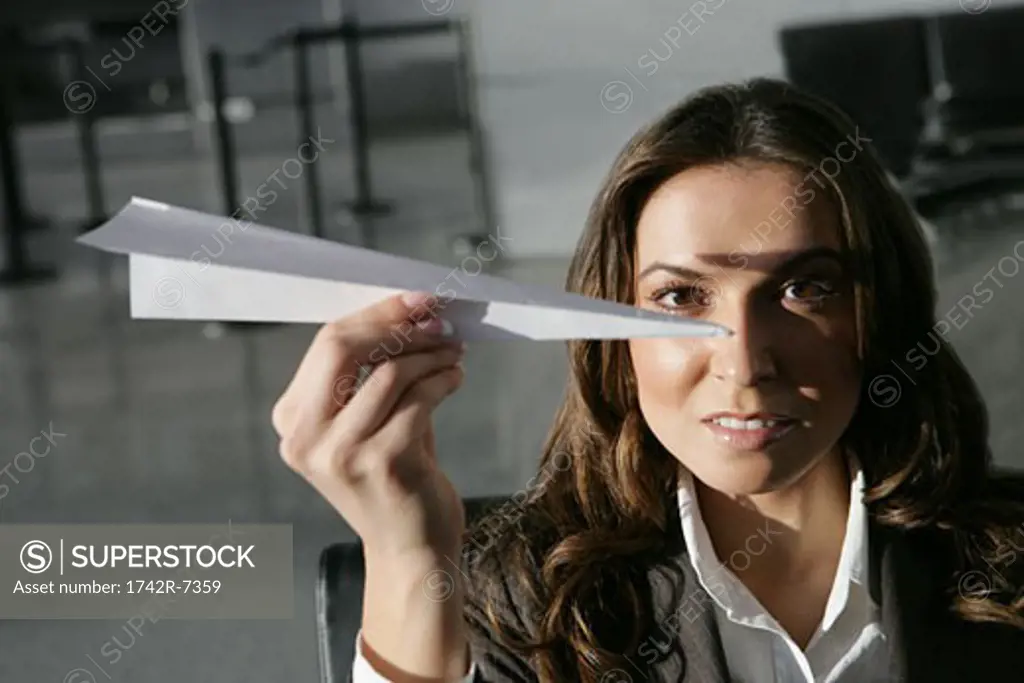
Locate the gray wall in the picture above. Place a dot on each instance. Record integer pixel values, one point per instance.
(408, 82)
(544, 65)
(46, 11)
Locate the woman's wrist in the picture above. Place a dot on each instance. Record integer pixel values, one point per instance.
(410, 560)
(413, 615)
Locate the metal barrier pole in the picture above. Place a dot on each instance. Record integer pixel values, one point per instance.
(226, 152)
(364, 204)
(307, 122)
(17, 269)
(85, 125)
(14, 212)
(225, 136)
(478, 160)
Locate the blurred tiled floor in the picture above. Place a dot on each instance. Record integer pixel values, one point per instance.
(169, 422)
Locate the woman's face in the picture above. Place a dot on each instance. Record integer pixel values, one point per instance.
(746, 248)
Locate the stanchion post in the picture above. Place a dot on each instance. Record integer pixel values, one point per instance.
(364, 204)
(307, 123)
(85, 126)
(479, 162)
(17, 270)
(357, 114)
(226, 154)
(14, 211)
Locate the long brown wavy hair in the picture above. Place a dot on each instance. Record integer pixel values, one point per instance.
(579, 539)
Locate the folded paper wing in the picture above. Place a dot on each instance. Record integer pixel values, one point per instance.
(189, 265)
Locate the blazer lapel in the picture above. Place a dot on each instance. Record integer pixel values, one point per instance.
(926, 643)
(885, 583)
(705, 658)
(684, 644)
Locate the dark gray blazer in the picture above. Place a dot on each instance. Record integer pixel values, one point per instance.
(929, 644)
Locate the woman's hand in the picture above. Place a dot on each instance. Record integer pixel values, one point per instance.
(355, 421)
(369, 448)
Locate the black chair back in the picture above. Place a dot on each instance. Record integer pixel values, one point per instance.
(339, 597)
(979, 61)
(875, 70)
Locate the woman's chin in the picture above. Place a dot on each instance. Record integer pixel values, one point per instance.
(738, 481)
(745, 472)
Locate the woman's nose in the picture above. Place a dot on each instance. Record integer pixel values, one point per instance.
(746, 357)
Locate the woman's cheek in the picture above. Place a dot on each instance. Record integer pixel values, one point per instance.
(828, 357)
(666, 369)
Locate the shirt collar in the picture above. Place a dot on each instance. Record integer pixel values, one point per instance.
(720, 581)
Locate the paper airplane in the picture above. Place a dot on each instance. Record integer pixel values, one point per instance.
(189, 265)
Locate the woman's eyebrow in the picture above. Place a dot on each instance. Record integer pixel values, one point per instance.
(786, 266)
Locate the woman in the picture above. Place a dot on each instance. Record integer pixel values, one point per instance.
(771, 506)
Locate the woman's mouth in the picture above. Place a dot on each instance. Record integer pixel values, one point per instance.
(750, 433)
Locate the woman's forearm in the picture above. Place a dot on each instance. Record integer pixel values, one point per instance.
(413, 627)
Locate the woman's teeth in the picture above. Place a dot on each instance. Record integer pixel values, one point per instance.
(734, 423)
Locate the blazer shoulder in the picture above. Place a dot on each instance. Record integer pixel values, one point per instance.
(502, 605)
(502, 557)
(1008, 485)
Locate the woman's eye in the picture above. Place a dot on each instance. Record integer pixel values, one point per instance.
(809, 291)
(685, 296)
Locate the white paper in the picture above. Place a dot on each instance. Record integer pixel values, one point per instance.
(189, 265)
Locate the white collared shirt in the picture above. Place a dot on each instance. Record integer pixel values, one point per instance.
(848, 646)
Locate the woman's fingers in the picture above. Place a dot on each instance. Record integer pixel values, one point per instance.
(344, 350)
(394, 449)
(411, 418)
(371, 406)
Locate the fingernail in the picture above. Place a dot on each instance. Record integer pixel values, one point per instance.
(414, 299)
(437, 326)
(457, 345)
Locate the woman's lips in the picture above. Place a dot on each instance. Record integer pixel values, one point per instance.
(751, 439)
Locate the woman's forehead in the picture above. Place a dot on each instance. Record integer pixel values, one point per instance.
(732, 209)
